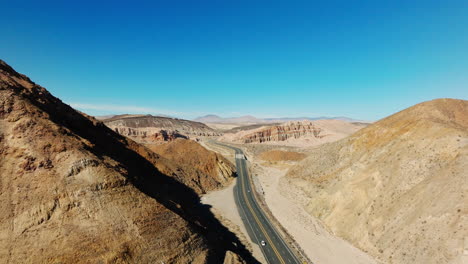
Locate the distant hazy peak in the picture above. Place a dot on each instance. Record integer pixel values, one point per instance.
(252, 119)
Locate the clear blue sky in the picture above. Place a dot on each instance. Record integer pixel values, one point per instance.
(362, 59)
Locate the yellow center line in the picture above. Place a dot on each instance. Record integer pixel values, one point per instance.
(261, 226)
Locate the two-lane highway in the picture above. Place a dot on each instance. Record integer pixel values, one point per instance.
(258, 225)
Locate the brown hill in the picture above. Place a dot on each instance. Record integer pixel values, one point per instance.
(148, 128)
(248, 127)
(205, 170)
(398, 188)
(300, 133)
(72, 190)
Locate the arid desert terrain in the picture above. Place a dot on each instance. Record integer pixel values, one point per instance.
(151, 189)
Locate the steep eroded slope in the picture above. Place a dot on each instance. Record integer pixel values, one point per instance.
(398, 188)
(72, 190)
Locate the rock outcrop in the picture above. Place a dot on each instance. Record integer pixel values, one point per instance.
(397, 188)
(232, 258)
(202, 169)
(72, 190)
(296, 132)
(283, 132)
(148, 128)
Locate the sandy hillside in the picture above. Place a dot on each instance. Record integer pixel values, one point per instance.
(203, 170)
(317, 243)
(268, 165)
(295, 133)
(151, 129)
(72, 190)
(222, 204)
(396, 189)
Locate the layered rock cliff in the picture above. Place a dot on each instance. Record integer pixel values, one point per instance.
(283, 132)
(148, 128)
(74, 191)
(396, 189)
(296, 132)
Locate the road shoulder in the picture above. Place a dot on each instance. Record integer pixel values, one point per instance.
(317, 243)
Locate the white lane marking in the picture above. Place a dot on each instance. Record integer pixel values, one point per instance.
(238, 198)
(264, 216)
(247, 219)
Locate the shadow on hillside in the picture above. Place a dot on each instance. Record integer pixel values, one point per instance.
(174, 195)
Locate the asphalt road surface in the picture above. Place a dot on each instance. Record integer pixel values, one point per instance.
(259, 227)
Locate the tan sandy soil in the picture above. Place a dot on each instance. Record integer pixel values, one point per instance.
(397, 188)
(281, 155)
(223, 203)
(318, 244)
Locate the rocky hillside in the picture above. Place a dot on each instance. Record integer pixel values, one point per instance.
(72, 190)
(396, 189)
(299, 132)
(148, 128)
(283, 132)
(204, 170)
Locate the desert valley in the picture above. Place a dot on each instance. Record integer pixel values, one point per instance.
(140, 188)
(234, 132)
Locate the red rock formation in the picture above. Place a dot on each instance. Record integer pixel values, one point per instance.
(142, 135)
(283, 132)
(164, 135)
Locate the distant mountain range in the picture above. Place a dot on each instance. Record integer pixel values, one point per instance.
(254, 120)
(218, 119)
